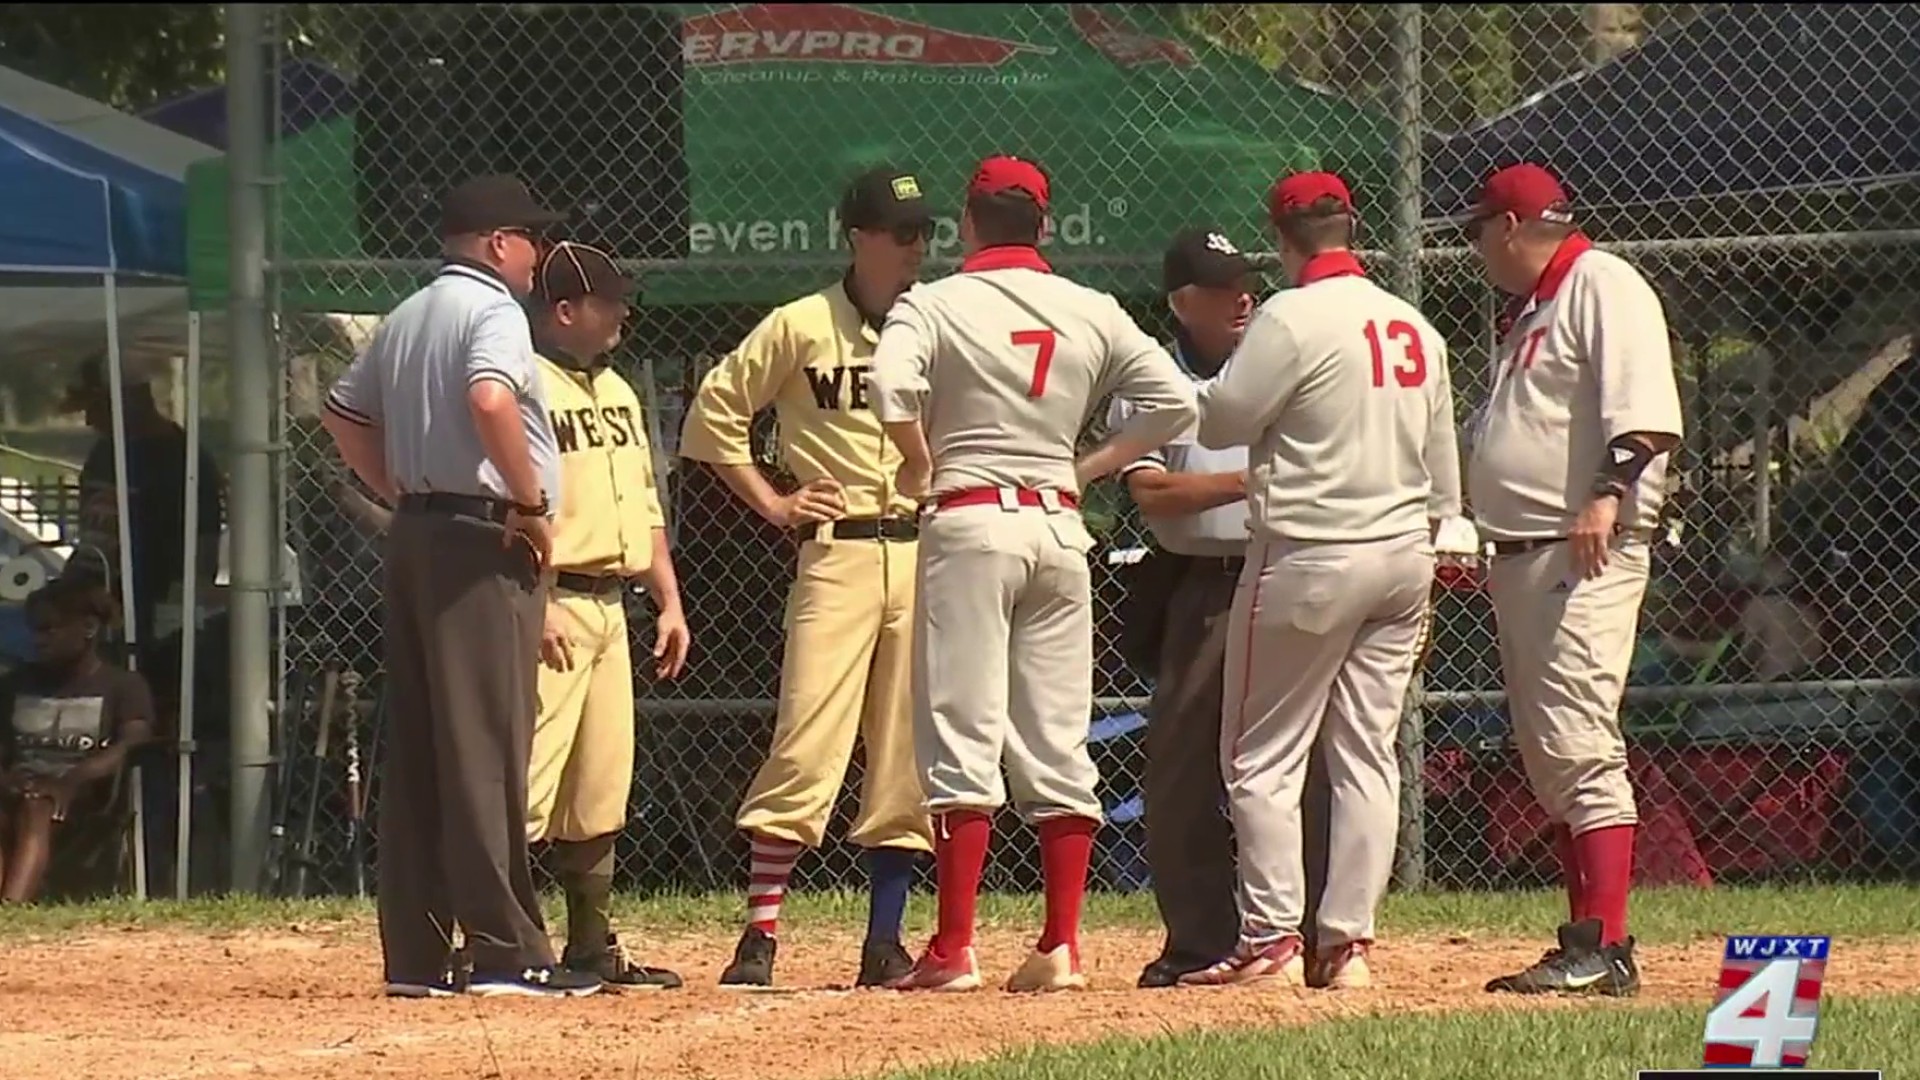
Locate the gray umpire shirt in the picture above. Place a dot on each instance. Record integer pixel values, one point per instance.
(463, 328)
(1221, 531)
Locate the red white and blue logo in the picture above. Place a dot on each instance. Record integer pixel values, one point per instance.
(1768, 1006)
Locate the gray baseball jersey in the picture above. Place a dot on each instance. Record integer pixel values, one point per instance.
(1002, 363)
(1341, 390)
(1587, 360)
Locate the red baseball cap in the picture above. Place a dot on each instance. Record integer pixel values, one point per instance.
(1006, 173)
(1528, 192)
(1301, 190)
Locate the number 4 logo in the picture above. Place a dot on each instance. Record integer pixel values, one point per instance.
(1767, 1011)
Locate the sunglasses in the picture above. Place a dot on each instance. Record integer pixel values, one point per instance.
(906, 233)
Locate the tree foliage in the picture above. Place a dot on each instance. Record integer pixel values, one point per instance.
(133, 56)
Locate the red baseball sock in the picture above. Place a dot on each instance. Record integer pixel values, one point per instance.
(1606, 864)
(1066, 850)
(960, 855)
(1570, 872)
(772, 865)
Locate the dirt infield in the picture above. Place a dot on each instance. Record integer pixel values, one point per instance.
(304, 1003)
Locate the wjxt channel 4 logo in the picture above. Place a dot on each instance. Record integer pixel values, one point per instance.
(1765, 1014)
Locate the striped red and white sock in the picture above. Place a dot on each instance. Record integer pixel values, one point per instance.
(767, 884)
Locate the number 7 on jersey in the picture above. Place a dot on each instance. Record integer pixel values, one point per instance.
(1042, 341)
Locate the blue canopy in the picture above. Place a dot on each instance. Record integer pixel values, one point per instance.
(69, 207)
(311, 93)
(1752, 100)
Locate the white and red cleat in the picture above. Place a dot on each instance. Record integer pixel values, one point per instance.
(941, 974)
(1045, 972)
(1281, 960)
(1342, 967)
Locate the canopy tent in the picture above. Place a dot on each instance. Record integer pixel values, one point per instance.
(60, 316)
(310, 93)
(1679, 119)
(77, 212)
(1143, 131)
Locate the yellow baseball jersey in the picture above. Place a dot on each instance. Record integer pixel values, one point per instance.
(606, 523)
(809, 360)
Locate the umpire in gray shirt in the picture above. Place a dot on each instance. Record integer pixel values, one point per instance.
(1175, 619)
(1174, 626)
(444, 416)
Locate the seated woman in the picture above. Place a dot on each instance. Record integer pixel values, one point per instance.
(69, 720)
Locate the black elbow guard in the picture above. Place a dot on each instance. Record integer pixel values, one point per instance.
(1626, 458)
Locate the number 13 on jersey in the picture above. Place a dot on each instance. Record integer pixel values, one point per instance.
(1768, 1004)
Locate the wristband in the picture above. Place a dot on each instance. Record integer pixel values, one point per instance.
(1626, 458)
(539, 509)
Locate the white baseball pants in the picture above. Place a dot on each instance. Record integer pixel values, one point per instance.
(1320, 635)
(1003, 662)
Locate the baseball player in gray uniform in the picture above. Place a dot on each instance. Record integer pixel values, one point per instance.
(1341, 389)
(1002, 363)
(1567, 474)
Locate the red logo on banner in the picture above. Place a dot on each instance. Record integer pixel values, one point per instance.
(1123, 44)
(835, 33)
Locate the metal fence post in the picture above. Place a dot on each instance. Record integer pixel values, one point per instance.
(1410, 869)
(252, 512)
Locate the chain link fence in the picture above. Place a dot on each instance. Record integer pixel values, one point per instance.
(1757, 162)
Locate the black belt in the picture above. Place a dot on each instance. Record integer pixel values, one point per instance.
(1216, 564)
(590, 584)
(889, 528)
(1522, 547)
(448, 504)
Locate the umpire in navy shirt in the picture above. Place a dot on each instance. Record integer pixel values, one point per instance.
(444, 416)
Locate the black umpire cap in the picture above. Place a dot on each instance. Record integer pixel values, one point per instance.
(885, 198)
(571, 270)
(1203, 257)
(485, 203)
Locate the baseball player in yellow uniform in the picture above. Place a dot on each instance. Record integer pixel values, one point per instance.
(1566, 477)
(609, 532)
(849, 622)
(1002, 363)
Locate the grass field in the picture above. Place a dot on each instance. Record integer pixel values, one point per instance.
(289, 989)
(1674, 915)
(1604, 1042)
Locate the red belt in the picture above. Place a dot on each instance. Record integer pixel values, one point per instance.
(989, 496)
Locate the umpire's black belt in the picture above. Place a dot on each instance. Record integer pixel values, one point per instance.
(590, 584)
(448, 504)
(872, 528)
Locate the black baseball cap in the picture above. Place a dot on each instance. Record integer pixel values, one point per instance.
(884, 198)
(1205, 257)
(570, 270)
(485, 203)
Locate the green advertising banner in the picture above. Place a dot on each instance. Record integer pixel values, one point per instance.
(1143, 130)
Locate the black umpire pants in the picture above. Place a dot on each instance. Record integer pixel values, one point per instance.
(462, 627)
(1190, 848)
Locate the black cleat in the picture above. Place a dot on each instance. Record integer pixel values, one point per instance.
(1166, 971)
(537, 982)
(618, 970)
(1580, 966)
(881, 962)
(752, 967)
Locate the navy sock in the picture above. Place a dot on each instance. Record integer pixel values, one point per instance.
(891, 871)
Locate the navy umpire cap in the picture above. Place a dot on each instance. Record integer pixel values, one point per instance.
(486, 203)
(1203, 257)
